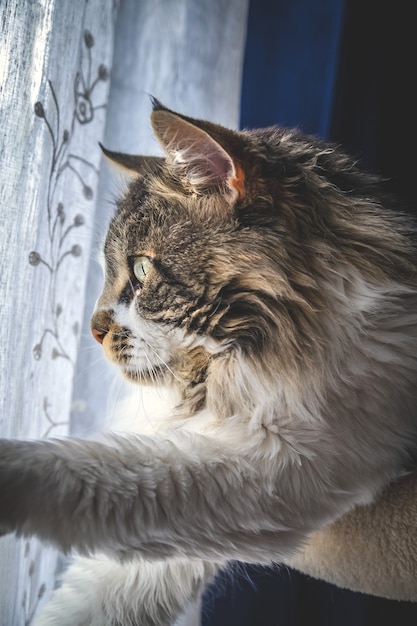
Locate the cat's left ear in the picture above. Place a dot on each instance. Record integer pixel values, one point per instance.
(130, 163)
(199, 159)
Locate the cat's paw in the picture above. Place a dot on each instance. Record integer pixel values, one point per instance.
(68, 610)
(16, 485)
(7, 491)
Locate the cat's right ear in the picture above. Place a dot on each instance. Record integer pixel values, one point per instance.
(132, 164)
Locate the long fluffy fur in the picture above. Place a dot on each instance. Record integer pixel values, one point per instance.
(280, 312)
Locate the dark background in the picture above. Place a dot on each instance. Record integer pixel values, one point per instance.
(344, 70)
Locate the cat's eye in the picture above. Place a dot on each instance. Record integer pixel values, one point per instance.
(142, 266)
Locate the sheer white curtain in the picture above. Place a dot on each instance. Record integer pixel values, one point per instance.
(189, 55)
(55, 60)
(56, 63)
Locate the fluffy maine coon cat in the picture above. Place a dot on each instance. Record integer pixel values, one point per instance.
(273, 288)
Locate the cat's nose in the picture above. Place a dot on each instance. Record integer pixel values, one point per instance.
(100, 324)
(98, 334)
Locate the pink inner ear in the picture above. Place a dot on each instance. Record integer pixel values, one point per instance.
(238, 182)
(203, 161)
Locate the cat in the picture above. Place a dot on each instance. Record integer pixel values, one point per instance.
(270, 285)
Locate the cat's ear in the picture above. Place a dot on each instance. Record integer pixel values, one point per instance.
(196, 155)
(131, 163)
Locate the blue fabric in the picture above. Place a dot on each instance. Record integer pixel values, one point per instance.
(375, 99)
(290, 63)
(282, 597)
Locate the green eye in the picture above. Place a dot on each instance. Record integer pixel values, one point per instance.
(142, 265)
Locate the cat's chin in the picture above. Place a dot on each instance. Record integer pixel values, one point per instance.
(156, 376)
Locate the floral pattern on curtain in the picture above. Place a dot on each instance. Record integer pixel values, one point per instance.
(55, 61)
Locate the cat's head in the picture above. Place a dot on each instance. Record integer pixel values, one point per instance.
(224, 249)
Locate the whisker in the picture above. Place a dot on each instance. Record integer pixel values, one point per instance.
(162, 360)
(132, 287)
(89, 366)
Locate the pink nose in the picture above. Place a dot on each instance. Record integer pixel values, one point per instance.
(98, 334)
(100, 323)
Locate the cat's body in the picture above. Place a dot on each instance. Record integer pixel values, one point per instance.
(272, 287)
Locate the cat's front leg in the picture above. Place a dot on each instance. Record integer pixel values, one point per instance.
(161, 498)
(101, 592)
(157, 497)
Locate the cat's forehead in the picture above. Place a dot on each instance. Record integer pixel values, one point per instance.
(157, 214)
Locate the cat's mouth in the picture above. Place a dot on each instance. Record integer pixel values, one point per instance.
(145, 376)
(138, 360)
